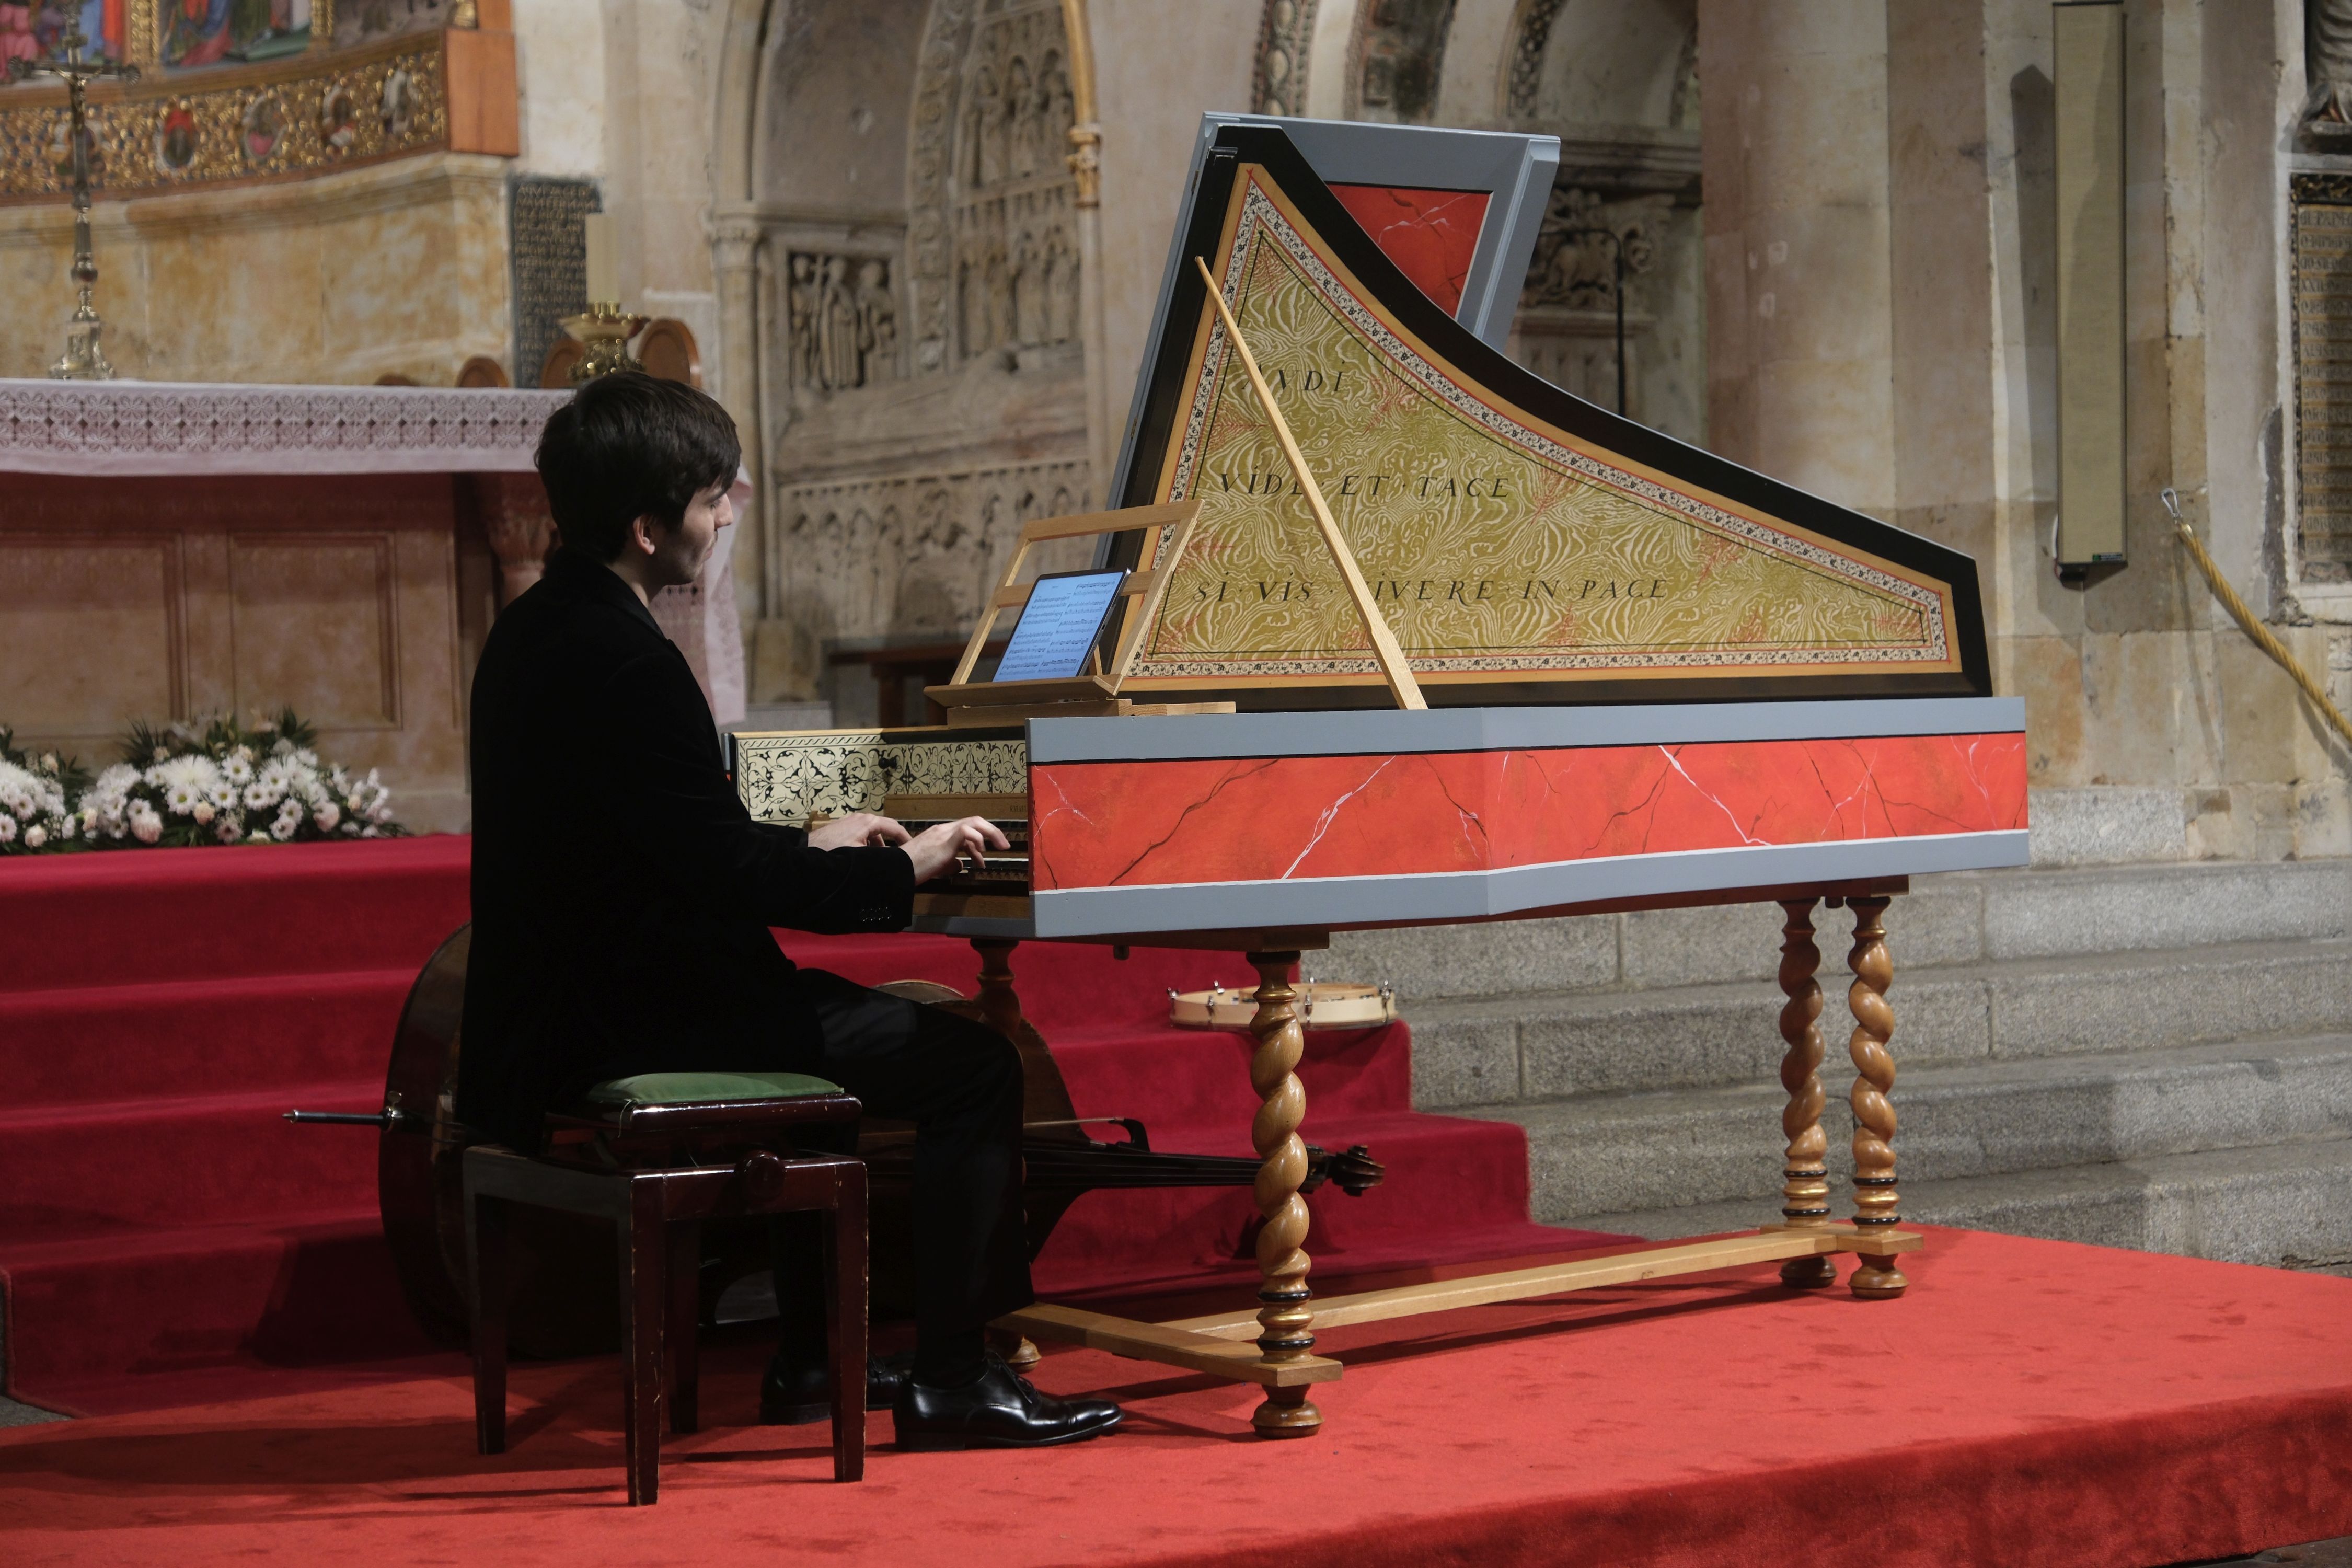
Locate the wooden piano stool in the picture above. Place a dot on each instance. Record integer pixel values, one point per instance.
(1274, 1345)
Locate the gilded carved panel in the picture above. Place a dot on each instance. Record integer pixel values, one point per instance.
(308, 115)
(790, 777)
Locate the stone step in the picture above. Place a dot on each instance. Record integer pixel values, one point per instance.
(2288, 1205)
(1626, 1152)
(1523, 1048)
(1964, 918)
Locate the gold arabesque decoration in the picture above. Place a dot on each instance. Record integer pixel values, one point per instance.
(190, 128)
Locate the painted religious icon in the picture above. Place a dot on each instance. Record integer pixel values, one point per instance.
(265, 128)
(17, 39)
(339, 119)
(356, 21)
(175, 138)
(93, 142)
(48, 22)
(396, 106)
(196, 32)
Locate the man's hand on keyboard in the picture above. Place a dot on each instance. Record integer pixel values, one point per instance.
(858, 827)
(935, 849)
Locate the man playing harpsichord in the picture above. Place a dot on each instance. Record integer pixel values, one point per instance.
(623, 898)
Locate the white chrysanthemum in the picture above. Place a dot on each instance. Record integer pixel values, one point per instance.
(229, 829)
(182, 799)
(306, 756)
(36, 836)
(196, 773)
(283, 830)
(237, 768)
(7, 828)
(261, 794)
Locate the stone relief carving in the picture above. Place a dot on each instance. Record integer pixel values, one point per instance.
(842, 322)
(908, 555)
(991, 254)
(1015, 265)
(1573, 263)
(2327, 64)
(1526, 79)
(1278, 81)
(1398, 52)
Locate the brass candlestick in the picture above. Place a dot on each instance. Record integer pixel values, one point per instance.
(82, 360)
(605, 333)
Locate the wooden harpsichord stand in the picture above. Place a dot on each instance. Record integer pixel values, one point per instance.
(1809, 723)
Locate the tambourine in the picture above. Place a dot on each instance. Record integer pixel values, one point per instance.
(1322, 1005)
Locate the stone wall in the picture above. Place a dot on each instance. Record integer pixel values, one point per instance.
(1882, 331)
(400, 268)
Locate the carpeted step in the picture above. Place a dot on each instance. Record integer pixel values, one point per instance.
(185, 1160)
(1434, 1162)
(196, 1036)
(1990, 1118)
(130, 917)
(2287, 1205)
(311, 1287)
(1527, 1048)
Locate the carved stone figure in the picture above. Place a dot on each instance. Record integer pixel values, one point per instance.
(2327, 64)
(878, 313)
(808, 367)
(1573, 264)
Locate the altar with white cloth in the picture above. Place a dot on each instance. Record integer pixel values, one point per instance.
(168, 550)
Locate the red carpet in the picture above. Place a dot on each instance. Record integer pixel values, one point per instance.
(161, 1229)
(2027, 1403)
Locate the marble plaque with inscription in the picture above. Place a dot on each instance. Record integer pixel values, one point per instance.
(1511, 534)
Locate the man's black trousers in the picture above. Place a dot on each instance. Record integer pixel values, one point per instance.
(960, 1083)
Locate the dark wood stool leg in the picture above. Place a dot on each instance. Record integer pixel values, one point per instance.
(680, 1331)
(486, 1301)
(642, 1294)
(845, 1268)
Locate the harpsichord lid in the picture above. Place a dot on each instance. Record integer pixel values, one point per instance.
(1525, 545)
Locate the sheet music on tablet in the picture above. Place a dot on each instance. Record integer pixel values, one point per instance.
(1064, 618)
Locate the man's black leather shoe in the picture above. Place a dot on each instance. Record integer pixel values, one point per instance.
(795, 1394)
(996, 1410)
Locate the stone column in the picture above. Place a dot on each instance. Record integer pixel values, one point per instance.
(1801, 347)
(734, 253)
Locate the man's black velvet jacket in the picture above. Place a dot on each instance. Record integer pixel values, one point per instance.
(621, 894)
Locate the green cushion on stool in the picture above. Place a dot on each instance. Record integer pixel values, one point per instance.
(685, 1087)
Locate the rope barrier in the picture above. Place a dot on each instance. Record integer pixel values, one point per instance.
(2253, 629)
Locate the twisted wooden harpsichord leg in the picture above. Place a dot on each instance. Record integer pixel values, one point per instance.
(1286, 1321)
(1805, 1187)
(1876, 1201)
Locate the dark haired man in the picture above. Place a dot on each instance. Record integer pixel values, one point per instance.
(623, 899)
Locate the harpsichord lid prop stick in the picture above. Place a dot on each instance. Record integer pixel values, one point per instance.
(1402, 684)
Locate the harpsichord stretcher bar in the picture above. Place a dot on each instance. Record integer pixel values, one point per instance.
(1654, 679)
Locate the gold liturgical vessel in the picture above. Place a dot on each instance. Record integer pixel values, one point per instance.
(605, 329)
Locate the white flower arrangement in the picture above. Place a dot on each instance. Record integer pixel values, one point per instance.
(215, 782)
(33, 791)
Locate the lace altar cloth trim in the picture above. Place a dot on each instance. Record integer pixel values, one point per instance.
(130, 427)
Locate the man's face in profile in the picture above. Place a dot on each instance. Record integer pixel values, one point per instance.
(678, 553)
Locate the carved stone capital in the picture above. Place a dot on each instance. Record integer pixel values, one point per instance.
(1085, 163)
(735, 237)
